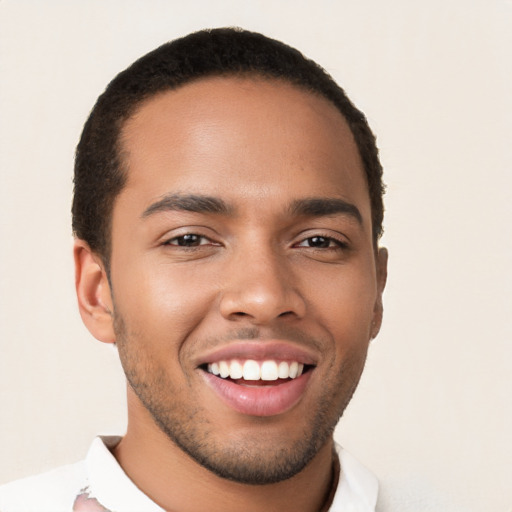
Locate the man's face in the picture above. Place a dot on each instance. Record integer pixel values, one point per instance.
(242, 244)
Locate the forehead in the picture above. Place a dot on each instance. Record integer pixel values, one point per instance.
(230, 135)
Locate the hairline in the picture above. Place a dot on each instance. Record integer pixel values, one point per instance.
(121, 151)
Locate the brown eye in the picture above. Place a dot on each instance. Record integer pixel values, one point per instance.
(319, 242)
(322, 242)
(189, 240)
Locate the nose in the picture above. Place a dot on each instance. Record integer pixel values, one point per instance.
(260, 288)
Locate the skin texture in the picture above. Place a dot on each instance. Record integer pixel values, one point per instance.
(257, 272)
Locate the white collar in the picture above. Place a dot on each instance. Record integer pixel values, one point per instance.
(108, 483)
(357, 487)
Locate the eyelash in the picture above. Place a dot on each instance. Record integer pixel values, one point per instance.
(333, 243)
(187, 235)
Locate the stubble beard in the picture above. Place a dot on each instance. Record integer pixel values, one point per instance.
(258, 460)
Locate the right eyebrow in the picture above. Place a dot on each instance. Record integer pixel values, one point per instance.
(188, 202)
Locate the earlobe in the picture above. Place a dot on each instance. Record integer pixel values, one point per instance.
(93, 293)
(382, 275)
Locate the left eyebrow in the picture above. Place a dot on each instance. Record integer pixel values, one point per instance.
(189, 203)
(322, 206)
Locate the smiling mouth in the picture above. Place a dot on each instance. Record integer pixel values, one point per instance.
(253, 387)
(253, 372)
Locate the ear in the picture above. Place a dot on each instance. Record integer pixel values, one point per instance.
(93, 293)
(382, 275)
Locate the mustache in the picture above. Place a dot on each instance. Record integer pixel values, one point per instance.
(281, 333)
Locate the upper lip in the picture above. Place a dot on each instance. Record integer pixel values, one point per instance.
(259, 350)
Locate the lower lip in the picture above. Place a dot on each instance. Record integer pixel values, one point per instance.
(268, 400)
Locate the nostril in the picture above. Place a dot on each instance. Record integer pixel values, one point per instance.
(260, 305)
(241, 314)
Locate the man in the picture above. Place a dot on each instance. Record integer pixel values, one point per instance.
(227, 212)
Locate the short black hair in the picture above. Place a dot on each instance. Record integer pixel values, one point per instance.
(99, 174)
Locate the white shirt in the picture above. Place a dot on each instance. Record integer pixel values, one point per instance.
(98, 484)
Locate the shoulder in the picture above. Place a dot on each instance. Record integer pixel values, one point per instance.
(52, 491)
(97, 484)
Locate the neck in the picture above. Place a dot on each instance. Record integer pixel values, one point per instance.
(178, 483)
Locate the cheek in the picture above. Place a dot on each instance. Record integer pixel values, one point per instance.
(344, 302)
(162, 302)
(346, 296)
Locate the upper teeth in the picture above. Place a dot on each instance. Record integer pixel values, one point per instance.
(256, 370)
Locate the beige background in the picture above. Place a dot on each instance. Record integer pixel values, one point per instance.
(433, 414)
